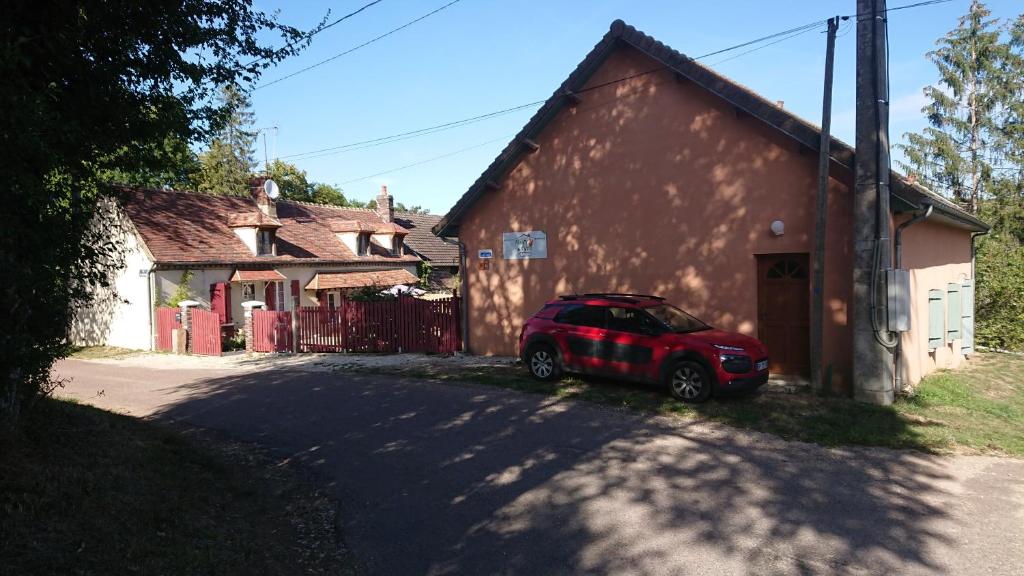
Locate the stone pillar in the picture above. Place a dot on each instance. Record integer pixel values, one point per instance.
(186, 323)
(247, 330)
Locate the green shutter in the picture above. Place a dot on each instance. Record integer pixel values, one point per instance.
(936, 319)
(953, 328)
(967, 316)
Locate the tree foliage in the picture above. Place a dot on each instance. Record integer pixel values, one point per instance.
(227, 165)
(90, 89)
(972, 151)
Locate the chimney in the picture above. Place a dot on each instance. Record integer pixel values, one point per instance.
(265, 203)
(780, 103)
(385, 205)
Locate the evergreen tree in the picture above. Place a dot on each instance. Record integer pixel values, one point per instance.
(954, 154)
(973, 152)
(227, 165)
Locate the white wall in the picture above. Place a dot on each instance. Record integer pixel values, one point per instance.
(248, 237)
(120, 315)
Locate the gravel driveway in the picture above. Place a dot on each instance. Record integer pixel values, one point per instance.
(436, 478)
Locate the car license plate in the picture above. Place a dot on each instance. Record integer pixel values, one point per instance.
(763, 364)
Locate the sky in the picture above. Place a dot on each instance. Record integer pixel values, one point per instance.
(479, 56)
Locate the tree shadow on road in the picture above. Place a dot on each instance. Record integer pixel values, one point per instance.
(441, 479)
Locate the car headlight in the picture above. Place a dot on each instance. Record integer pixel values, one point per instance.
(728, 348)
(736, 364)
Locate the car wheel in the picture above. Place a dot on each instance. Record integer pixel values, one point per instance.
(689, 381)
(543, 363)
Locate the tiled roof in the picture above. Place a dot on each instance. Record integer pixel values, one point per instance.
(620, 34)
(254, 218)
(382, 278)
(391, 228)
(257, 275)
(182, 228)
(423, 242)
(348, 226)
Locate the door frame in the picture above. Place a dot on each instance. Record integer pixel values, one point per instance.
(760, 263)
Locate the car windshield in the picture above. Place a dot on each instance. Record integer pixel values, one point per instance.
(676, 319)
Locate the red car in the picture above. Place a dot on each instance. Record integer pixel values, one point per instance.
(639, 337)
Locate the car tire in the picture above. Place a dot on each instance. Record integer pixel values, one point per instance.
(542, 362)
(689, 381)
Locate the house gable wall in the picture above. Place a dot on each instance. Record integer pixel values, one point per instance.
(653, 185)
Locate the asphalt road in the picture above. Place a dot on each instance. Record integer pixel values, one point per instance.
(461, 479)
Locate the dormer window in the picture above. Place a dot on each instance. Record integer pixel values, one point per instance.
(363, 246)
(396, 245)
(264, 242)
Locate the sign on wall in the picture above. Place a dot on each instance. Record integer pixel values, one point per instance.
(524, 245)
(485, 254)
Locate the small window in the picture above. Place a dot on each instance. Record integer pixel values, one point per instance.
(592, 316)
(265, 243)
(363, 245)
(282, 304)
(248, 292)
(396, 245)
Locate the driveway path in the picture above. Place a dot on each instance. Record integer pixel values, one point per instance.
(460, 479)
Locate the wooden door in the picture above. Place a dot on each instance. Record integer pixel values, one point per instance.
(783, 311)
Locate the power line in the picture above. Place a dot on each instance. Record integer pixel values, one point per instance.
(777, 36)
(315, 32)
(353, 49)
(428, 160)
(471, 120)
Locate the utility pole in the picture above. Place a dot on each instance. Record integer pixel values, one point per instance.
(820, 216)
(872, 253)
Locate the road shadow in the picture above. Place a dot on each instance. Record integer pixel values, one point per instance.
(446, 479)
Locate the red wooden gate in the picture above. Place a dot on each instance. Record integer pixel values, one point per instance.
(166, 321)
(205, 336)
(406, 325)
(271, 331)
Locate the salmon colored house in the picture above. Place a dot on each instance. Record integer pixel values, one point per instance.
(647, 172)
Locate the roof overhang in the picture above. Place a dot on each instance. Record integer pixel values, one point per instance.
(347, 280)
(257, 276)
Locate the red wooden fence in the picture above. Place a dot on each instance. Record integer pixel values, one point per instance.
(165, 323)
(205, 333)
(272, 331)
(402, 325)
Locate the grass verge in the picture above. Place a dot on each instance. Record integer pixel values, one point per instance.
(978, 408)
(84, 491)
(102, 352)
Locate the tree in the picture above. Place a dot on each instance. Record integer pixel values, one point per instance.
(291, 181)
(328, 194)
(227, 165)
(90, 88)
(176, 166)
(412, 209)
(973, 152)
(954, 154)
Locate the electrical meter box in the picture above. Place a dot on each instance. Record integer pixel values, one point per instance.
(897, 283)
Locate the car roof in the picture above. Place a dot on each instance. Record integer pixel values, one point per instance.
(610, 298)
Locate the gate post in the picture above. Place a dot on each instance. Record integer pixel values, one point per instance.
(186, 322)
(295, 330)
(247, 330)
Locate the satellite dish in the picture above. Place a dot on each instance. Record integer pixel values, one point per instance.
(270, 187)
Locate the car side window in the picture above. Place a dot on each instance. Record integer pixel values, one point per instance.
(625, 320)
(579, 315)
(632, 320)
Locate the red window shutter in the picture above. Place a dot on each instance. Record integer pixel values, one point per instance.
(217, 300)
(295, 295)
(269, 295)
(226, 318)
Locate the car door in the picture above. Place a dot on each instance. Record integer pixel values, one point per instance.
(630, 342)
(582, 329)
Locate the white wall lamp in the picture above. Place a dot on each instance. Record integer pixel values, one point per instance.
(778, 227)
